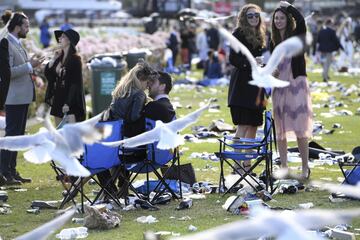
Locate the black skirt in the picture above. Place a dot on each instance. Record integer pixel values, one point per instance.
(246, 116)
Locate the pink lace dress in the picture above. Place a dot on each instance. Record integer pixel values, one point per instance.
(292, 105)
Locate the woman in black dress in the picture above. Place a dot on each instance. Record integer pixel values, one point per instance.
(246, 101)
(65, 92)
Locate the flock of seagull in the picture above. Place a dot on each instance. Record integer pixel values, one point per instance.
(66, 144)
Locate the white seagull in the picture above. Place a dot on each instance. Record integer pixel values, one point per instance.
(165, 133)
(282, 225)
(262, 76)
(48, 228)
(347, 190)
(62, 146)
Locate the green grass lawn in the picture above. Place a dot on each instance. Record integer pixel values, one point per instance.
(205, 213)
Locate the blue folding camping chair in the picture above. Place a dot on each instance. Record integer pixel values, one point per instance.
(96, 158)
(232, 151)
(154, 160)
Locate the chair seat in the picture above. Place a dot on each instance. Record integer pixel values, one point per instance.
(237, 155)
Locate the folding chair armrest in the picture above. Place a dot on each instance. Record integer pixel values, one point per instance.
(243, 145)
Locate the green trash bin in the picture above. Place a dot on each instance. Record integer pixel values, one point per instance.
(132, 57)
(106, 70)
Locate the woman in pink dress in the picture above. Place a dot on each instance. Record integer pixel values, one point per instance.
(291, 105)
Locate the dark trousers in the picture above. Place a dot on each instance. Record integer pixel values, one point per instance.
(16, 116)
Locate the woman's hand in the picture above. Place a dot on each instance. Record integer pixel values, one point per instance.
(276, 73)
(284, 4)
(65, 108)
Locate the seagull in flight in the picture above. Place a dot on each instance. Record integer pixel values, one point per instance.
(262, 76)
(346, 189)
(165, 133)
(282, 225)
(61, 145)
(48, 228)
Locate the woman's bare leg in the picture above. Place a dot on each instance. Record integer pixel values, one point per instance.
(282, 145)
(304, 154)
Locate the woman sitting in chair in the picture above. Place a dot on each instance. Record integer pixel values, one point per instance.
(128, 102)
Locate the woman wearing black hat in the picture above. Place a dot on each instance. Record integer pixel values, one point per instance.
(65, 91)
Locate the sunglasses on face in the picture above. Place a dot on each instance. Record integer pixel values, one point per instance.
(252, 15)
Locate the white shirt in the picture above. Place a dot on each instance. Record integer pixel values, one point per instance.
(161, 96)
(19, 42)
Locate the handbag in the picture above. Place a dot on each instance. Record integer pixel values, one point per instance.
(185, 173)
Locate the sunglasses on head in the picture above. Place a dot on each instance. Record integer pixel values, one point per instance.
(252, 15)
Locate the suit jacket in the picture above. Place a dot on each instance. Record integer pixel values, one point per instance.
(160, 109)
(328, 41)
(5, 72)
(21, 88)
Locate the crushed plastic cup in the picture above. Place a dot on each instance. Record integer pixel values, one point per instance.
(192, 228)
(185, 204)
(73, 233)
(147, 219)
(306, 205)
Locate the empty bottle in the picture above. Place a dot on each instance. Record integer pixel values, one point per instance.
(73, 233)
(184, 204)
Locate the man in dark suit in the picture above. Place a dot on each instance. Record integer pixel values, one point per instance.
(160, 108)
(328, 42)
(5, 72)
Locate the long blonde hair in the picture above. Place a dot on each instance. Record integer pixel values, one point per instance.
(132, 80)
(255, 36)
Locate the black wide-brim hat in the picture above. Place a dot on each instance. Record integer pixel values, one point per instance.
(72, 35)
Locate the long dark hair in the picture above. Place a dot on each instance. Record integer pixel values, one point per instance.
(16, 20)
(290, 27)
(71, 52)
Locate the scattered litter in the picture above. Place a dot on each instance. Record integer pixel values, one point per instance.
(326, 179)
(184, 218)
(306, 205)
(185, 204)
(99, 217)
(44, 204)
(5, 211)
(73, 233)
(78, 220)
(33, 210)
(337, 199)
(129, 207)
(204, 156)
(192, 228)
(197, 196)
(4, 196)
(340, 234)
(146, 219)
(20, 190)
(220, 126)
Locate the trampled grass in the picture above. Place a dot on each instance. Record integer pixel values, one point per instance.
(205, 213)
